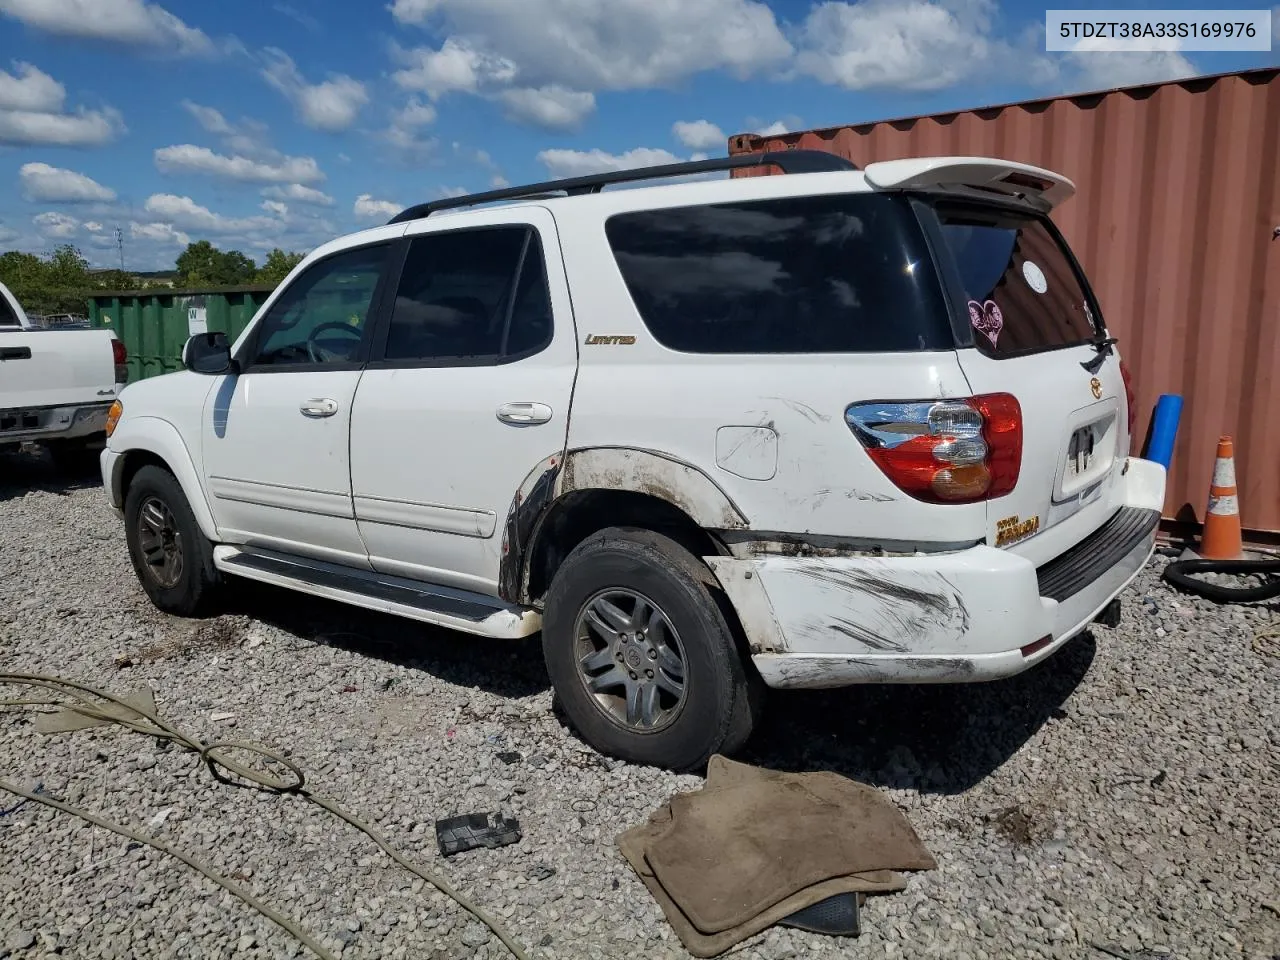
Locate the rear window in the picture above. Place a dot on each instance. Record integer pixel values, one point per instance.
(1023, 293)
(830, 274)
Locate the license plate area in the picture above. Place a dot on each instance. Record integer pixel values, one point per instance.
(1089, 454)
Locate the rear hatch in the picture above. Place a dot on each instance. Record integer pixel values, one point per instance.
(1031, 327)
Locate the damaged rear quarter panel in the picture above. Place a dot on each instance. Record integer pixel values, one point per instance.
(867, 606)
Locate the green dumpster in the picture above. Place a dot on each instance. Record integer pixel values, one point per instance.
(154, 324)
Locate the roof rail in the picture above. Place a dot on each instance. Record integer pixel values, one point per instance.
(789, 161)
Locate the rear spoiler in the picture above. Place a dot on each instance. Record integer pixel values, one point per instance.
(1041, 188)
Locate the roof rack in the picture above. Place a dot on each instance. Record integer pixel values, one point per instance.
(789, 161)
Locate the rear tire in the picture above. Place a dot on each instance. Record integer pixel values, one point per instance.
(172, 558)
(641, 654)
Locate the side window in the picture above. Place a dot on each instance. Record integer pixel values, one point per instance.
(471, 294)
(323, 317)
(7, 317)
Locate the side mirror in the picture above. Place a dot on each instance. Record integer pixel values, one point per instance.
(208, 353)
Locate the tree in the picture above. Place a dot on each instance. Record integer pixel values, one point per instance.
(58, 283)
(277, 265)
(204, 265)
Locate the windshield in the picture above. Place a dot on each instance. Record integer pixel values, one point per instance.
(1022, 292)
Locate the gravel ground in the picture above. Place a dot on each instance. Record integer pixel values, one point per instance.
(1124, 793)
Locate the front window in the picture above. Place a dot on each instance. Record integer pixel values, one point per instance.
(323, 317)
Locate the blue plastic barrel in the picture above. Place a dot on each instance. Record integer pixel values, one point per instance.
(1164, 429)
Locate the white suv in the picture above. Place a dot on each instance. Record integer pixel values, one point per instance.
(833, 427)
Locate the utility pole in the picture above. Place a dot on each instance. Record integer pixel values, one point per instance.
(120, 246)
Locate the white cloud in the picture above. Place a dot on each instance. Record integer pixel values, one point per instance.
(92, 226)
(456, 66)
(84, 128)
(413, 11)
(775, 129)
(247, 138)
(900, 44)
(580, 163)
(56, 224)
(297, 192)
(209, 118)
(31, 113)
(297, 16)
(159, 233)
(42, 182)
(185, 213)
(130, 22)
(188, 158)
(551, 107)
(1102, 63)
(366, 206)
(698, 134)
(331, 105)
(276, 208)
(402, 132)
(619, 45)
(499, 181)
(453, 192)
(415, 113)
(31, 89)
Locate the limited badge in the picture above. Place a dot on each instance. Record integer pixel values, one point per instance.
(1096, 386)
(1034, 276)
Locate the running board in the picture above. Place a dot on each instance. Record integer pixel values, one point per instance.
(428, 603)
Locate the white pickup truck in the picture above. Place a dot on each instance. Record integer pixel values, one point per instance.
(56, 386)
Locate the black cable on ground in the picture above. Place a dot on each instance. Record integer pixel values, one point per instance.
(1180, 574)
(91, 702)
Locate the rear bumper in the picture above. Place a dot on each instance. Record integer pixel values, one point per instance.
(38, 424)
(965, 616)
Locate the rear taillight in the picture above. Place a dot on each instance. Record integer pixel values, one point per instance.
(944, 451)
(120, 356)
(1129, 395)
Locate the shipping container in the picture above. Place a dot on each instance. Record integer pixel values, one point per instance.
(154, 324)
(1176, 219)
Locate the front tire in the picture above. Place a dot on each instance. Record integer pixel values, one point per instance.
(641, 655)
(172, 558)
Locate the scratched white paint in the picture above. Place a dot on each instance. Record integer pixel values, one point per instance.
(747, 452)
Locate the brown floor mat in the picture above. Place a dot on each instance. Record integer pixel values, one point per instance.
(753, 846)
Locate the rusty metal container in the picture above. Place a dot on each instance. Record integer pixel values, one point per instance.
(1176, 221)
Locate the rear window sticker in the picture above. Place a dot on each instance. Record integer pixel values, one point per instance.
(1034, 276)
(986, 319)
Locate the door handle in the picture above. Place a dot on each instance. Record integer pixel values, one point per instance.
(524, 414)
(319, 407)
(15, 353)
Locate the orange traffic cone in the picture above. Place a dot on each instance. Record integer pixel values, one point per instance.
(1222, 538)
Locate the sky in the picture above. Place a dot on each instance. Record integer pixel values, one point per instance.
(284, 123)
